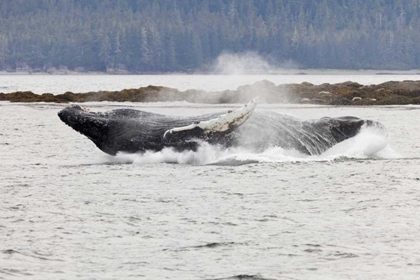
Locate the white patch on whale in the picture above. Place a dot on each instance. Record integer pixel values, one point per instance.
(222, 122)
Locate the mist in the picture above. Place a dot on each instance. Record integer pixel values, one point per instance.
(249, 63)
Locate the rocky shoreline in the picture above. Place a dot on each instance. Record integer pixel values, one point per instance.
(347, 93)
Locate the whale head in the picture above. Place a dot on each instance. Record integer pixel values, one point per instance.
(92, 125)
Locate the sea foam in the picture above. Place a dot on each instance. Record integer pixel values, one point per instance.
(371, 142)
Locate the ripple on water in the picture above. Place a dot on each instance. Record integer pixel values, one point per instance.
(67, 208)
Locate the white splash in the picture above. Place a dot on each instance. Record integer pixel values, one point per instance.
(246, 63)
(205, 154)
(240, 63)
(369, 143)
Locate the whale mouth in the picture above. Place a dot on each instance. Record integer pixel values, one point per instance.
(90, 124)
(76, 115)
(70, 115)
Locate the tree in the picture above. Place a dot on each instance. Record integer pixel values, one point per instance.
(185, 35)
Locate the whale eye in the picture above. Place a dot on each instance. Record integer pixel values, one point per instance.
(196, 122)
(230, 111)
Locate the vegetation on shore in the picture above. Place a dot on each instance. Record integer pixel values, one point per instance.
(347, 93)
(155, 36)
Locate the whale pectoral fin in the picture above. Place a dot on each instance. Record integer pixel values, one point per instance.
(212, 130)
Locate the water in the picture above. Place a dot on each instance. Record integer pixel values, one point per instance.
(58, 84)
(68, 211)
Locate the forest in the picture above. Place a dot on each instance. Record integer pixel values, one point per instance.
(165, 36)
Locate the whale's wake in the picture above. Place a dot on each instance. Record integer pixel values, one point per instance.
(370, 143)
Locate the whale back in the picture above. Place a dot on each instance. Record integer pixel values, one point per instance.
(313, 137)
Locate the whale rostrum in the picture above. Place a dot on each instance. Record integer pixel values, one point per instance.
(133, 131)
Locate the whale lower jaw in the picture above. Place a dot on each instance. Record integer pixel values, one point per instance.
(90, 124)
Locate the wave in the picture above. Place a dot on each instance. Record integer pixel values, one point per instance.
(370, 143)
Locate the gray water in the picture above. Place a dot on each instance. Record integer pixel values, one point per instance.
(84, 83)
(68, 211)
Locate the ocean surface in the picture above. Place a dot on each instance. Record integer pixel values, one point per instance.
(69, 211)
(57, 84)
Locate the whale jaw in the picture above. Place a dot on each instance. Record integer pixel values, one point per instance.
(90, 124)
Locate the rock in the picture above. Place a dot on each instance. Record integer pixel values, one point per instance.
(406, 85)
(347, 93)
(318, 101)
(324, 93)
(307, 84)
(349, 84)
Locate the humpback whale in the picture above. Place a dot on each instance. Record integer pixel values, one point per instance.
(133, 131)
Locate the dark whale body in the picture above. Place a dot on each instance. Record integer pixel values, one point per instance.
(132, 131)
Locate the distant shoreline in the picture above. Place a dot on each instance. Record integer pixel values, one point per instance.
(277, 72)
(346, 93)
